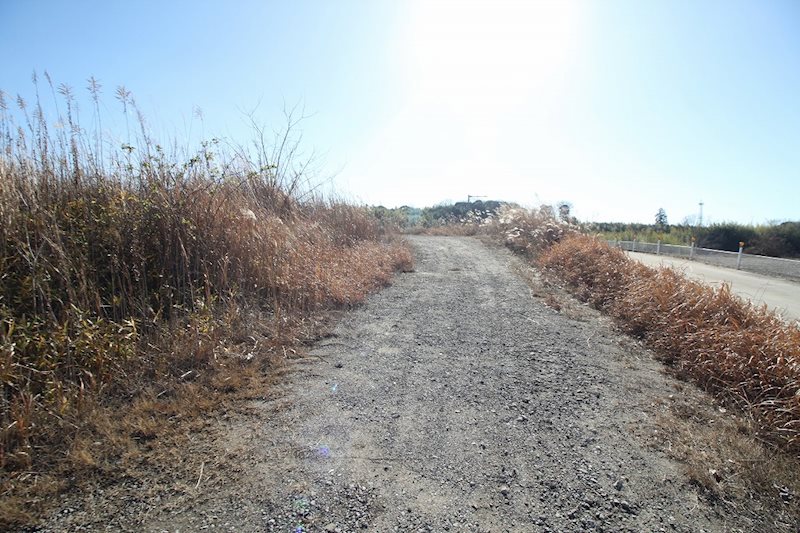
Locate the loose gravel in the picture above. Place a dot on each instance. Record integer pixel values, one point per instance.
(454, 400)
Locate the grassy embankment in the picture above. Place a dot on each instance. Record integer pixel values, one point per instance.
(139, 287)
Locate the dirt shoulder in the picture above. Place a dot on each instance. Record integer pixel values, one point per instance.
(453, 400)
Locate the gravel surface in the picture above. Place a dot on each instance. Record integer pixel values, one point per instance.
(453, 400)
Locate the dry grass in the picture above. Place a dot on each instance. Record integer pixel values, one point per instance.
(744, 354)
(151, 283)
(723, 460)
(729, 454)
(528, 231)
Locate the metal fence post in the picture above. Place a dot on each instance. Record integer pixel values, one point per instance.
(691, 250)
(658, 247)
(739, 257)
(634, 246)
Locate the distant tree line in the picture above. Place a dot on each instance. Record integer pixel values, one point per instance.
(438, 215)
(776, 240)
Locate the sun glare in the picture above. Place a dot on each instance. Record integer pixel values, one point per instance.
(489, 54)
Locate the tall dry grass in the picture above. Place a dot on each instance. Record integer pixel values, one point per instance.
(743, 353)
(121, 263)
(525, 231)
(528, 231)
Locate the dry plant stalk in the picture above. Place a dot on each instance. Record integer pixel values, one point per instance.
(124, 269)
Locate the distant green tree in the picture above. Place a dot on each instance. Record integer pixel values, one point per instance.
(458, 212)
(779, 240)
(661, 219)
(564, 211)
(726, 236)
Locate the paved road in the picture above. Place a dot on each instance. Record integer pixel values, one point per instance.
(778, 294)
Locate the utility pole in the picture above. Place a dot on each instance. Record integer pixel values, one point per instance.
(471, 196)
(700, 218)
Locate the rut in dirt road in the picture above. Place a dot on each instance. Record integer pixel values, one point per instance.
(454, 400)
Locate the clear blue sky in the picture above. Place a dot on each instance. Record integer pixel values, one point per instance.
(620, 107)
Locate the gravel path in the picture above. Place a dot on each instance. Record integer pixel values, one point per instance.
(452, 401)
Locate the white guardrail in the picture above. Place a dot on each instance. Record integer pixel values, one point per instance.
(759, 264)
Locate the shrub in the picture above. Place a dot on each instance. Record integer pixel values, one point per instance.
(781, 240)
(726, 236)
(528, 231)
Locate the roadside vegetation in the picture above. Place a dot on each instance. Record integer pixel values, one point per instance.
(745, 355)
(775, 240)
(781, 239)
(140, 284)
(444, 218)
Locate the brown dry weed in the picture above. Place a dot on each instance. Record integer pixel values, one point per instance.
(745, 354)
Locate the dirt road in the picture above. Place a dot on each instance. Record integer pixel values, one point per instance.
(779, 294)
(454, 400)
